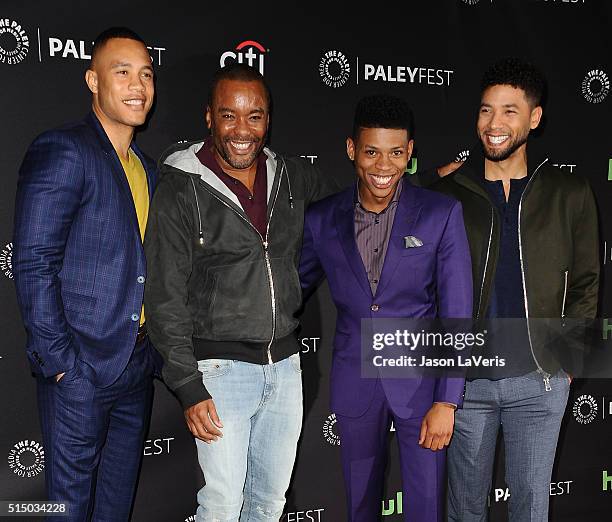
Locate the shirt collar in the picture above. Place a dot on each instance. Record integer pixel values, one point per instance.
(394, 200)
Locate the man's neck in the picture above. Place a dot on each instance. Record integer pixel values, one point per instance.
(246, 176)
(120, 135)
(513, 167)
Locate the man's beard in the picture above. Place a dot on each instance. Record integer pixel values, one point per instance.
(222, 147)
(504, 154)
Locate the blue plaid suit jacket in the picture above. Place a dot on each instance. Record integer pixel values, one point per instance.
(78, 260)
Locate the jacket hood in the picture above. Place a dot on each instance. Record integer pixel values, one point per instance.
(182, 156)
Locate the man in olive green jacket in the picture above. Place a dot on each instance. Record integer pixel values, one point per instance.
(533, 237)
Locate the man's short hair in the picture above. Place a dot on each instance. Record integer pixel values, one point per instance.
(382, 111)
(110, 34)
(519, 74)
(239, 72)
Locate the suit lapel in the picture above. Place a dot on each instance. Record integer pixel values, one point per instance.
(406, 214)
(117, 171)
(151, 174)
(345, 225)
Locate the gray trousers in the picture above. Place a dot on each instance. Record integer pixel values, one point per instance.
(530, 418)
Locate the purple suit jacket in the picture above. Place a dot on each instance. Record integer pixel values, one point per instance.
(434, 280)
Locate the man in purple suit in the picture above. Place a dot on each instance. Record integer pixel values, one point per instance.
(389, 250)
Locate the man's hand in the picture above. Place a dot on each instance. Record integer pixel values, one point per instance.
(203, 421)
(59, 376)
(437, 426)
(449, 168)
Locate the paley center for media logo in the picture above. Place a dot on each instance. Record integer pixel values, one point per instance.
(250, 52)
(335, 70)
(27, 458)
(6, 260)
(595, 86)
(14, 42)
(585, 409)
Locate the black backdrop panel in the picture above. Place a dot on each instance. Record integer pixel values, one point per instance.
(319, 62)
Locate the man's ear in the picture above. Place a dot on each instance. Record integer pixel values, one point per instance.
(410, 148)
(350, 148)
(536, 117)
(208, 117)
(91, 79)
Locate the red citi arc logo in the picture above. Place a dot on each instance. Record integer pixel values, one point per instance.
(249, 52)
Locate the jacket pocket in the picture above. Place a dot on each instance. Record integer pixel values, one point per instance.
(288, 294)
(240, 306)
(415, 251)
(211, 368)
(83, 304)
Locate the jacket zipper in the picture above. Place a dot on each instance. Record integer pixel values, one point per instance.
(484, 273)
(540, 370)
(564, 297)
(264, 244)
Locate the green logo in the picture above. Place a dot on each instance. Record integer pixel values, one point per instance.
(606, 481)
(610, 170)
(394, 505)
(412, 166)
(606, 329)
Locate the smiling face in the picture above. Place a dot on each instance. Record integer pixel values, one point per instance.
(504, 121)
(380, 157)
(121, 81)
(238, 120)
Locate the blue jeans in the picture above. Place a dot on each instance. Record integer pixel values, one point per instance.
(249, 468)
(530, 418)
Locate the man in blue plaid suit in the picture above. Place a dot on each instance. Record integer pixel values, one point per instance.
(79, 266)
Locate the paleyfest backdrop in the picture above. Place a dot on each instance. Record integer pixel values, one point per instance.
(319, 60)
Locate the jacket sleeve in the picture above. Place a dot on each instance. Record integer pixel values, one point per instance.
(311, 271)
(454, 289)
(170, 239)
(425, 178)
(48, 200)
(583, 284)
(318, 185)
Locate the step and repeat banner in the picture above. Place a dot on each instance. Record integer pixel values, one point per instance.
(318, 60)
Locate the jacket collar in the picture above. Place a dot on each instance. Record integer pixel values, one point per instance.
(406, 214)
(117, 169)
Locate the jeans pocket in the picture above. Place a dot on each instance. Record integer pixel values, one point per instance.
(211, 368)
(295, 362)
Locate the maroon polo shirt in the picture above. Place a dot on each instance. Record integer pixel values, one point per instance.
(255, 205)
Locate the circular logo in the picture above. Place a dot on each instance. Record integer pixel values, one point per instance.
(14, 42)
(462, 156)
(585, 409)
(470, 2)
(328, 431)
(6, 260)
(27, 458)
(595, 86)
(191, 518)
(334, 69)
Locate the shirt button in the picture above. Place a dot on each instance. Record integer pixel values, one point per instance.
(376, 222)
(374, 308)
(251, 198)
(140, 279)
(374, 280)
(135, 317)
(376, 250)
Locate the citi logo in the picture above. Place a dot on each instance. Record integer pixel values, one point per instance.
(250, 52)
